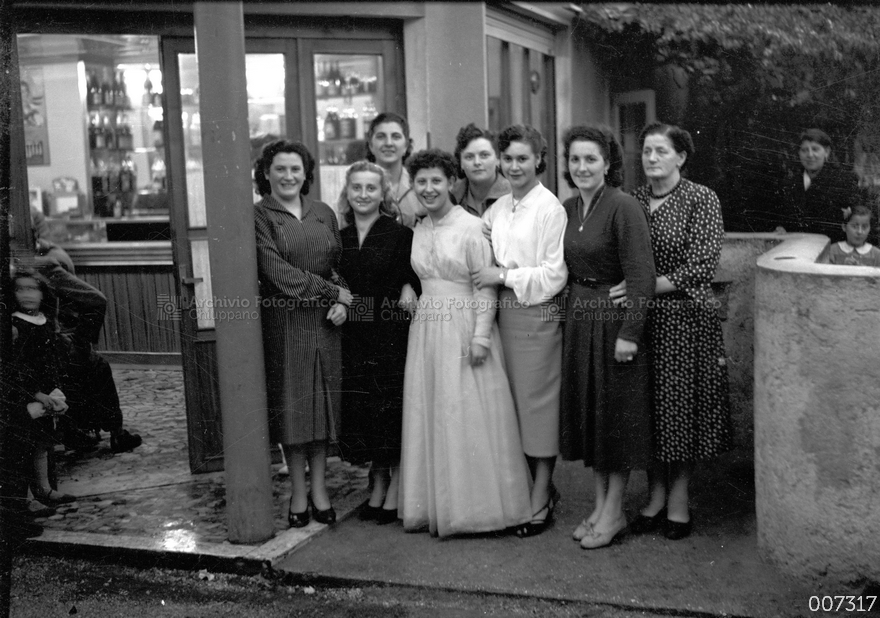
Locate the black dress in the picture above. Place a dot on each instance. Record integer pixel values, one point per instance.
(39, 357)
(374, 340)
(605, 416)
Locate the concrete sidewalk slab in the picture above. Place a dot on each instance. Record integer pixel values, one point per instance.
(145, 506)
(716, 571)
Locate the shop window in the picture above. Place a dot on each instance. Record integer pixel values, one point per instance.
(349, 93)
(267, 122)
(521, 91)
(632, 111)
(93, 136)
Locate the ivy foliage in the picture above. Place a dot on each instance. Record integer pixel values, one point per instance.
(757, 76)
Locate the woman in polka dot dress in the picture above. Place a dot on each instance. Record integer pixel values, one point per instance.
(691, 408)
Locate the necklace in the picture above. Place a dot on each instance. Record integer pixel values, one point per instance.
(587, 210)
(515, 203)
(654, 196)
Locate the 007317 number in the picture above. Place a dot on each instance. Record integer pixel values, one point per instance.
(842, 603)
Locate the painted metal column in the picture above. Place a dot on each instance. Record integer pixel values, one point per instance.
(219, 31)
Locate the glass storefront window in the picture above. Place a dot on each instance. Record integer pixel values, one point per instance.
(266, 122)
(93, 136)
(349, 92)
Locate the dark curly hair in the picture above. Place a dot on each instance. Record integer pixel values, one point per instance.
(468, 134)
(528, 135)
(680, 139)
(267, 156)
(608, 145)
(388, 117)
(433, 157)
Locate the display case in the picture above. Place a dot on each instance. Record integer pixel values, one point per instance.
(349, 92)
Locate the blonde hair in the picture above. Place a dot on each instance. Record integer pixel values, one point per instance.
(386, 206)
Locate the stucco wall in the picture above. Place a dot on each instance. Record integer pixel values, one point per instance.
(739, 255)
(817, 413)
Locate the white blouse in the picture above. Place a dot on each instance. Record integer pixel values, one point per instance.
(528, 242)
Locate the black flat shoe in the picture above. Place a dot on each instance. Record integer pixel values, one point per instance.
(644, 524)
(386, 516)
(676, 530)
(297, 520)
(125, 441)
(369, 513)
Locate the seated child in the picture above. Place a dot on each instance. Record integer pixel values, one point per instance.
(855, 250)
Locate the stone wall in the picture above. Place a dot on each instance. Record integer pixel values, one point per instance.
(739, 256)
(817, 413)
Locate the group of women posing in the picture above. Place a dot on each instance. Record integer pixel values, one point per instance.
(425, 337)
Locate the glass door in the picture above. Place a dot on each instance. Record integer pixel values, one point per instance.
(346, 84)
(268, 112)
(293, 86)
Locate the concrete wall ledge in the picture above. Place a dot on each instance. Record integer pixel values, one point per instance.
(817, 413)
(802, 253)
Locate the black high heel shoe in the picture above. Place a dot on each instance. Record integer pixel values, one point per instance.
(386, 516)
(369, 513)
(537, 526)
(297, 520)
(644, 524)
(327, 516)
(676, 530)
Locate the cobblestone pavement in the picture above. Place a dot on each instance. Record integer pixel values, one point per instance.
(149, 492)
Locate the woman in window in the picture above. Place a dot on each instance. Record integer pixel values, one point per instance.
(389, 145)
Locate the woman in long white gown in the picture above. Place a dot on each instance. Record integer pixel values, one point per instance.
(462, 466)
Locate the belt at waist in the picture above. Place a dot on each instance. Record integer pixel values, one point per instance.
(587, 282)
(444, 287)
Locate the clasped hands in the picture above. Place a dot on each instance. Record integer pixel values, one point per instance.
(55, 402)
(339, 310)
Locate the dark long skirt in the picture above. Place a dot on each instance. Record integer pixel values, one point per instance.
(605, 415)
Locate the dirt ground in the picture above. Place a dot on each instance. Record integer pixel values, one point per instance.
(45, 587)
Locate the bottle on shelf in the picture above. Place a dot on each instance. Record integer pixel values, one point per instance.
(118, 91)
(107, 89)
(95, 96)
(157, 174)
(128, 179)
(147, 99)
(93, 130)
(335, 79)
(100, 187)
(124, 140)
(348, 122)
(331, 123)
(100, 137)
(368, 113)
(322, 83)
(109, 133)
